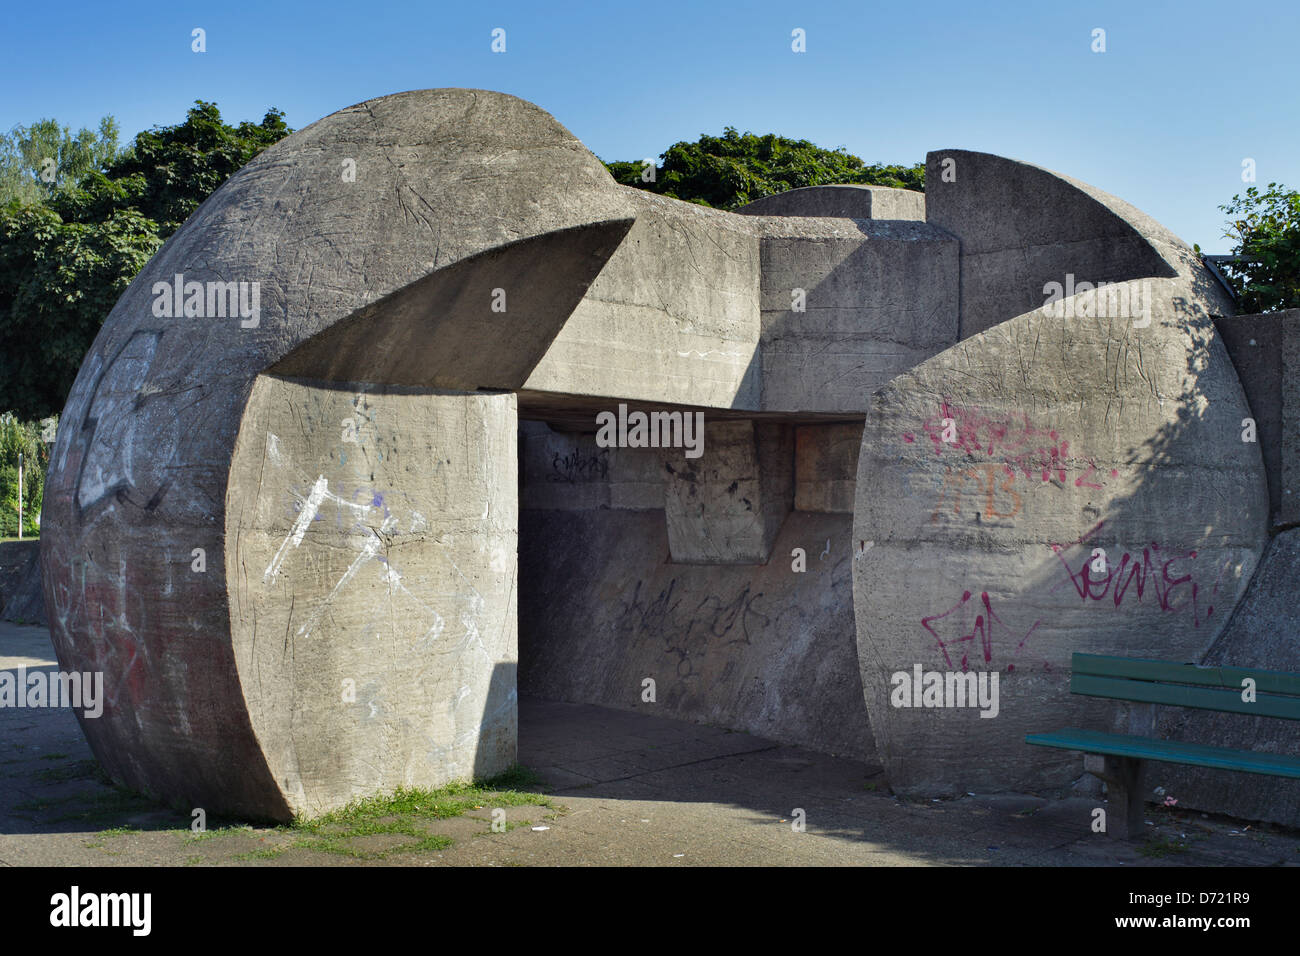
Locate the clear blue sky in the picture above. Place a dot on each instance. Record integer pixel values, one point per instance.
(1163, 118)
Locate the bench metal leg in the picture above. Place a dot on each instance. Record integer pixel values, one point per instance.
(1126, 789)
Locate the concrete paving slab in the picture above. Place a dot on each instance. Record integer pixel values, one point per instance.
(700, 797)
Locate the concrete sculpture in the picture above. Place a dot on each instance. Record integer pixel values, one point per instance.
(328, 488)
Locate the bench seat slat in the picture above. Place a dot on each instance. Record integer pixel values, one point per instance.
(1100, 665)
(1181, 695)
(1169, 751)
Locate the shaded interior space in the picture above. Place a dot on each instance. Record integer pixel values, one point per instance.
(715, 590)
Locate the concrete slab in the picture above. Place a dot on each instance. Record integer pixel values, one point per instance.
(715, 798)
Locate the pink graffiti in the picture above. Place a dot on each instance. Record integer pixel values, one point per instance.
(1154, 571)
(1011, 440)
(985, 626)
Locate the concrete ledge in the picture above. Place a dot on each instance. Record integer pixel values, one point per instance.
(841, 200)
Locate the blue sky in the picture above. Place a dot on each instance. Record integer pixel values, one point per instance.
(1184, 92)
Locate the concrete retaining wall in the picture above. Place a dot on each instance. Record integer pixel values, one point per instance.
(20, 583)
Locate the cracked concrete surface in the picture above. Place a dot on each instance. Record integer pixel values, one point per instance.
(631, 789)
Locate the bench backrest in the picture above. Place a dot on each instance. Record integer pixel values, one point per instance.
(1277, 693)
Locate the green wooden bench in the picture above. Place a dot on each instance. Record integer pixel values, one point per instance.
(1119, 759)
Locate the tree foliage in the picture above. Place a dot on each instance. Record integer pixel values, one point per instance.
(26, 438)
(38, 161)
(180, 166)
(1265, 229)
(736, 168)
(58, 281)
(65, 261)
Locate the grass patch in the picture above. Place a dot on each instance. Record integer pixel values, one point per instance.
(517, 777)
(118, 831)
(81, 770)
(98, 844)
(56, 756)
(1161, 846)
(266, 853)
(453, 800)
(407, 812)
(103, 806)
(212, 833)
(406, 815)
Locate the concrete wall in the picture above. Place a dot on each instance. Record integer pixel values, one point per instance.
(1022, 226)
(604, 603)
(1265, 350)
(758, 648)
(567, 470)
(1068, 434)
(1265, 633)
(826, 467)
(673, 316)
(372, 584)
(873, 305)
(20, 582)
(727, 506)
(841, 200)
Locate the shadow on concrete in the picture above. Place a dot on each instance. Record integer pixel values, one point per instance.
(696, 777)
(639, 788)
(497, 748)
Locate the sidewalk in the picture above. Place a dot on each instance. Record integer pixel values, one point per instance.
(623, 789)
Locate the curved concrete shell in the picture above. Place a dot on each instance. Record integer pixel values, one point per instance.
(284, 507)
(1070, 478)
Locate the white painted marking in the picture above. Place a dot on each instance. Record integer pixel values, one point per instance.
(351, 504)
(305, 516)
(368, 551)
(689, 352)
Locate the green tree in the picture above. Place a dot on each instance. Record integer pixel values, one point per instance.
(736, 168)
(65, 261)
(26, 438)
(39, 160)
(1265, 229)
(58, 280)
